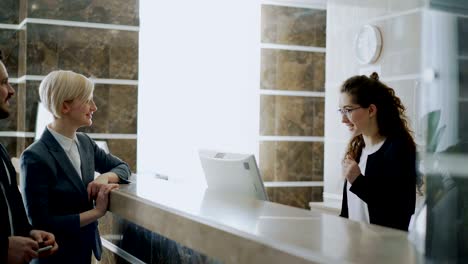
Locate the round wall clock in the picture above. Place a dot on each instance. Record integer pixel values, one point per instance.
(368, 44)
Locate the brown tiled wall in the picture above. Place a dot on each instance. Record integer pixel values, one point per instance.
(295, 196)
(9, 12)
(101, 53)
(293, 26)
(282, 115)
(38, 49)
(292, 70)
(121, 12)
(9, 44)
(291, 115)
(291, 161)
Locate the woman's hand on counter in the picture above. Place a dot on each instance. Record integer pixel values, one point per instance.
(102, 180)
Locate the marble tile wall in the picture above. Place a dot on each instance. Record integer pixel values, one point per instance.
(9, 12)
(117, 109)
(38, 49)
(291, 161)
(32, 99)
(293, 26)
(9, 45)
(291, 115)
(121, 12)
(125, 149)
(292, 70)
(100, 53)
(295, 196)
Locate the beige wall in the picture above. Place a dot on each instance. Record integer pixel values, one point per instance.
(399, 65)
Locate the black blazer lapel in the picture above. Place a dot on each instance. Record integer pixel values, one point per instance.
(63, 161)
(5, 158)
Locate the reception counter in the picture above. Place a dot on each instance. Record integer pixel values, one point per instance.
(231, 229)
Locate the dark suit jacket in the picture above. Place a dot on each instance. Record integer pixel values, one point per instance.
(55, 195)
(389, 185)
(20, 222)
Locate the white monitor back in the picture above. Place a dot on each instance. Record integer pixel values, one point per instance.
(43, 118)
(233, 173)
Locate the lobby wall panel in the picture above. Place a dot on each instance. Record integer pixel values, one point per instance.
(293, 26)
(121, 12)
(117, 109)
(101, 53)
(125, 149)
(291, 116)
(292, 70)
(291, 161)
(295, 196)
(32, 98)
(9, 45)
(9, 12)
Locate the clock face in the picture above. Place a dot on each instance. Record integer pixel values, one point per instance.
(368, 44)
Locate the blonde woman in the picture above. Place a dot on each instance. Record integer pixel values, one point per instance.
(60, 191)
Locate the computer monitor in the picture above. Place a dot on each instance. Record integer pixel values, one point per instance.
(233, 173)
(43, 118)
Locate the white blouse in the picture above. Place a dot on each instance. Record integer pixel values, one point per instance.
(70, 146)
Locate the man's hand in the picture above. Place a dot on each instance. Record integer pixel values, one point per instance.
(21, 249)
(44, 239)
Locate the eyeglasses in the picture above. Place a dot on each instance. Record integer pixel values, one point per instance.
(347, 111)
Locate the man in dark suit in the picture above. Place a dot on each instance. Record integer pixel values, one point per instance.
(18, 241)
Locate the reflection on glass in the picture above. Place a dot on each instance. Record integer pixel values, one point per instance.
(445, 62)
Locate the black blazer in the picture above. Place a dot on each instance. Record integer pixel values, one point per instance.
(20, 222)
(55, 195)
(389, 185)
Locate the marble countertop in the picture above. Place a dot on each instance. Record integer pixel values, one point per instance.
(236, 230)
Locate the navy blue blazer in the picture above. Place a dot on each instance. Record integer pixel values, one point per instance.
(19, 221)
(389, 185)
(55, 195)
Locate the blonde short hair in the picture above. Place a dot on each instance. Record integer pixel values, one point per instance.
(60, 86)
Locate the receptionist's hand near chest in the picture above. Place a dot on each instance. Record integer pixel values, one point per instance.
(350, 169)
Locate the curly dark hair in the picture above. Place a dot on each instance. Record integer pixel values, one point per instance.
(391, 117)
